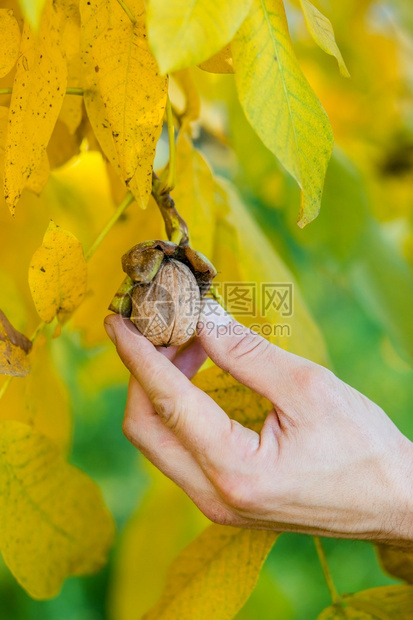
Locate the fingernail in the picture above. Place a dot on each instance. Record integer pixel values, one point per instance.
(110, 331)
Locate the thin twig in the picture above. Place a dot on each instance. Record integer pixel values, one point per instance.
(38, 331)
(72, 90)
(335, 597)
(117, 214)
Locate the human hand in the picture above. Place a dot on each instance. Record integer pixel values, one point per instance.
(328, 461)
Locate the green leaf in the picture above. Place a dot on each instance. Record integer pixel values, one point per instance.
(183, 33)
(322, 32)
(53, 522)
(243, 254)
(383, 282)
(214, 576)
(279, 103)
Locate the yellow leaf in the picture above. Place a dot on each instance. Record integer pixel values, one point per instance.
(183, 33)
(238, 401)
(95, 19)
(10, 41)
(53, 522)
(220, 62)
(322, 32)
(32, 9)
(134, 95)
(345, 613)
(396, 562)
(383, 603)
(71, 112)
(38, 91)
(248, 265)
(279, 103)
(58, 275)
(194, 194)
(214, 576)
(163, 525)
(117, 186)
(63, 145)
(4, 115)
(396, 601)
(40, 176)
(14, 348)
(41, 399)
(192, 101)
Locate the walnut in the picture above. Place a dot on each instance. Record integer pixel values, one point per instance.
(162, 290)
(166, 310)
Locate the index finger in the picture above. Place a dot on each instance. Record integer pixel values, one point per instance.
(202, 426)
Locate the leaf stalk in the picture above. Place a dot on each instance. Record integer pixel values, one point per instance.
(72, 90)
(169, 184)
(127, 11)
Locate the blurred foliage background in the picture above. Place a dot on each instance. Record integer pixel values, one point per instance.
(353, 265)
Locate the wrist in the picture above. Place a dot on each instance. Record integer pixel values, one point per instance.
(398, 528)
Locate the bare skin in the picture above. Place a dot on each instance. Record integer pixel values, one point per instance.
(328, 461)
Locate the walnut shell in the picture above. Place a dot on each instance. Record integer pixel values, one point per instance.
(166, 311)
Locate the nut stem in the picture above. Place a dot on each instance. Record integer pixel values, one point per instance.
(175, 225)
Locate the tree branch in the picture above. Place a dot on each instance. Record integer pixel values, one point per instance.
(168, 175)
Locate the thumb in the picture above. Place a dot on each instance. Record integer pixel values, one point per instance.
(249, 358)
